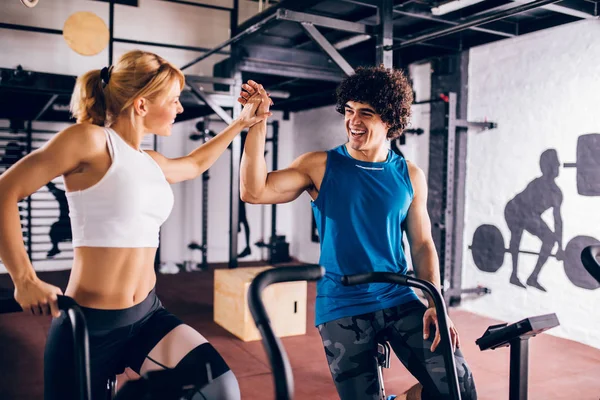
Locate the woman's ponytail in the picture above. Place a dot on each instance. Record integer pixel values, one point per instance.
(88, 103)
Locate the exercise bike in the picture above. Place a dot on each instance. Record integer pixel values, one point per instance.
(80, 338)
(517, 335)
(282, 374)
(154, 385)
(283, 378)
(383, 354)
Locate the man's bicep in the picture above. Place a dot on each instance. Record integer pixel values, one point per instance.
(418, 223)
(285, 185)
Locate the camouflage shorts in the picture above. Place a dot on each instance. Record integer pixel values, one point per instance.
(351, 346)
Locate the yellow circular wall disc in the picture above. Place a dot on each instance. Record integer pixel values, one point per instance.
(86, 33)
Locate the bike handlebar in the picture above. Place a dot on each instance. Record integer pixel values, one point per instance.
(282, 372)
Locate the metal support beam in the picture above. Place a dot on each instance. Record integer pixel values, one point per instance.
(234, 18)
(519, 368)
(209, 102)
(189, 3)
(429, 17)
(29, 149)
(115, 40)
(111, 30)
(209, 79)
(385, 39)
(327, 47)
(38, 82)
(364, 3)
(448, 219)
(565, 10)
(325, 22)
(307, 97)
(234, 203)
(249, 31)
(470, 22)
(46, 107)
(283, 70)
(27, 28)
(166, 45)
(351, 41)
(293, 57)
(274, 167)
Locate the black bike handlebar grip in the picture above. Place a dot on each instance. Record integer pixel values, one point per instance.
(276, 275)
(10, 305)
(372, 277)
(80, 336)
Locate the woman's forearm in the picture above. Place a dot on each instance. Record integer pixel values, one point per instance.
(206, 154)
(12, 251)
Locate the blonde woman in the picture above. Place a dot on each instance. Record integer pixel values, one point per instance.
(119, 195)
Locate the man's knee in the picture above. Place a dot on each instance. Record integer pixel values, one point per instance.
(467, 386)
(466, 383)
(440, 390)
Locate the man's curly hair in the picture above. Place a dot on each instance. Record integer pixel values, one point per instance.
(388, 91)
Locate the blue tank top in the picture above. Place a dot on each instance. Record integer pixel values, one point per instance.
(359, 213)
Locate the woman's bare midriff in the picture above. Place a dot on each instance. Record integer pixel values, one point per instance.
(111, 278)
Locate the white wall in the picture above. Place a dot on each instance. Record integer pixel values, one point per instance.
(543, 90)
(416, 148)
(152, 21)
(164, 22)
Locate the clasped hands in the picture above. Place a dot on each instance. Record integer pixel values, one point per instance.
(256, 102)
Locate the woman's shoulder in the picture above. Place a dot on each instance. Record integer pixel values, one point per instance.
(84, 134)
(86, 130)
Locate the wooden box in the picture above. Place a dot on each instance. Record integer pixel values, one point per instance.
(285, 304)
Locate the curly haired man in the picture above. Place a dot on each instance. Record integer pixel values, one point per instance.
(363, 197)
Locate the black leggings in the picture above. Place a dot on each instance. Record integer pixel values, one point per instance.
(351, 346)
(129, 338)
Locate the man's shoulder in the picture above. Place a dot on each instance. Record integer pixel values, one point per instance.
(413, 169)
(313, 157)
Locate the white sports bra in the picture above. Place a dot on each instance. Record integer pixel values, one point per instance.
(127, 206)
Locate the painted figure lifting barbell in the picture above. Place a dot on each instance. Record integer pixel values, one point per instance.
(524, 212)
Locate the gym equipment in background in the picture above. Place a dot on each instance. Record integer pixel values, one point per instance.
(517, 336)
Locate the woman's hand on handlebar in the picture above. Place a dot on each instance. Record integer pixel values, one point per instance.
(37, 297)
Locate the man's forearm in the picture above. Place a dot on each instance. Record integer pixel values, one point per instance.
(253, 168)
(426, 265)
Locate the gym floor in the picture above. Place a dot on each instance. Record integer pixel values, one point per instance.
(558, 368)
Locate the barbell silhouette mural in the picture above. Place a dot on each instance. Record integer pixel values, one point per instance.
(524, 213)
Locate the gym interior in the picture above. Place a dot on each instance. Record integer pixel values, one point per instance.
(505, 112)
